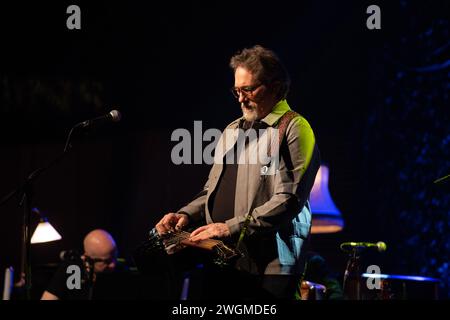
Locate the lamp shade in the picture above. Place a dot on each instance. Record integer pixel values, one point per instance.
(45, 233)
(326, 218)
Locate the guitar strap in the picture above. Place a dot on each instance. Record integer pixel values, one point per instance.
(282, 126)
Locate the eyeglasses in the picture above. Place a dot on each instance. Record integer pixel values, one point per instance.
(247, 90)
(105, 261)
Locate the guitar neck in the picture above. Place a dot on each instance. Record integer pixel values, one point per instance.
(183, 238)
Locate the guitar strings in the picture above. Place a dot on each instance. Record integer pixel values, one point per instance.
(178, 236)
(175, 238)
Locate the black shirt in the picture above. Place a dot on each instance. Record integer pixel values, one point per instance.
(223, 197)
(63, 283)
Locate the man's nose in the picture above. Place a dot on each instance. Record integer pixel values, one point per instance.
(242, 97)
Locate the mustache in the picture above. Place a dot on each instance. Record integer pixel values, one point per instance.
(247, 106)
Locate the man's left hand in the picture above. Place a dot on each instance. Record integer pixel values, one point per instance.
(213, 230)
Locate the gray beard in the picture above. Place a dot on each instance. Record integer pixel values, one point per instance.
(250, 116)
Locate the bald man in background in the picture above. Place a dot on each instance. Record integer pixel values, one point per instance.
(100, 252)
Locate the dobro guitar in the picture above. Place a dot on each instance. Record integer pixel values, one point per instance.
(160, 246)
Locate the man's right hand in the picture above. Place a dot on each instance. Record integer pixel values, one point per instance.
(171, 222)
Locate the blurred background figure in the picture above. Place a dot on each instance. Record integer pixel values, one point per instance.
(319, 282)
(100, 256)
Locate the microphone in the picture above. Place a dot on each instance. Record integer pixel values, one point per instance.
(69, 255)
(380, 245)
(113, 116)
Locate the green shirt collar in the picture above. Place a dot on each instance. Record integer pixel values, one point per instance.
(271, 119)
(277, 112)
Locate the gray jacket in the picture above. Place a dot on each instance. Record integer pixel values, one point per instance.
(278, 203)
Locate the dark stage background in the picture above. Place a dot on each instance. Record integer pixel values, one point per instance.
(377, 100)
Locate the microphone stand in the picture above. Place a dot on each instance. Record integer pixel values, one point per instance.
(25, 191)
(442, 179)
(89, 265)
(352, 275)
